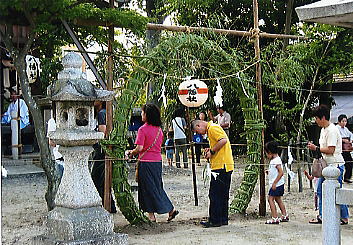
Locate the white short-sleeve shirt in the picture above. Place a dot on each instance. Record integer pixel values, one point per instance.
(330, 136)
(52, 128)
(345, 133)
(273, 172)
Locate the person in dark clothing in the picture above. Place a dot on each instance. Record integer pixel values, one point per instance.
(98, 155)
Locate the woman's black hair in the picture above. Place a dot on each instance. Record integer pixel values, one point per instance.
(272, 147)
(153, 114)
(179, 112)
(340, 117)
(104, 105)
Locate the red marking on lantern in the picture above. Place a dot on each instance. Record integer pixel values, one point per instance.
(199, 91)
(183, 91)
(202, 90)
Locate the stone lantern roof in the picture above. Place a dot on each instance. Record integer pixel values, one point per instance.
(73, 96)
(333, 12)
(72, 86)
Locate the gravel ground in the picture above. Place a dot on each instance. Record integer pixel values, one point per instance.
(24, 211)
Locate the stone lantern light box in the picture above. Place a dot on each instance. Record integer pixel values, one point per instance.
(78, 217)
(74, 97)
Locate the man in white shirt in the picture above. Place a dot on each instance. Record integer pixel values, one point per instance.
(331, 148)
(24, 115)
(223, 119)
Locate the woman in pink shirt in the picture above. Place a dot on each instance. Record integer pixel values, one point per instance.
(151, 195)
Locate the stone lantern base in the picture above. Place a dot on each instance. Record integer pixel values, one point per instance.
(80, 227)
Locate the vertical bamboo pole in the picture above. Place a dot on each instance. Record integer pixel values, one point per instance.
(192, 158)
(262, 204)
(109, 119)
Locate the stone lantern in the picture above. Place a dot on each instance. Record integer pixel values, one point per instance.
(78, 217)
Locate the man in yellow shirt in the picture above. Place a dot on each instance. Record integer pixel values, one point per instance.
(222, 166)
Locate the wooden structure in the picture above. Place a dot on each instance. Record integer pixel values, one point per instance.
(256, 35)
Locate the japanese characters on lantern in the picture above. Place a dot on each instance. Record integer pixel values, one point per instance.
(193, 93)
(33, 68)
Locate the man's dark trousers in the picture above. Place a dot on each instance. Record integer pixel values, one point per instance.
(219, 197)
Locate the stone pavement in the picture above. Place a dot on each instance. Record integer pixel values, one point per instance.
(26, 165)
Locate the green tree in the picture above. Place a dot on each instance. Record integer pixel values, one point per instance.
(47, 34)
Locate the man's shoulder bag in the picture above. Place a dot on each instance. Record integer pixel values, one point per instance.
(347, 146)
(318, 165)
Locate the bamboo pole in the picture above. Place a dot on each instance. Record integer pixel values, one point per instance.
(193, 168)
(262, 204)
(109, 120)
(160, 27)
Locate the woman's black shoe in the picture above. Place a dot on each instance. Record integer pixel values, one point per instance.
(348, 181)
(207, 224)
(172, 216)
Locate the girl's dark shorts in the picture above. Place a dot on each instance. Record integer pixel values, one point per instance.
(278, 192)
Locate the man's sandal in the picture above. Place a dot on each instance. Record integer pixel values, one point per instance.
(273, 221)
(284, 218)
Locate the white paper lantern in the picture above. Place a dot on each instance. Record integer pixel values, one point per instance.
(33, 68)
(193, 93)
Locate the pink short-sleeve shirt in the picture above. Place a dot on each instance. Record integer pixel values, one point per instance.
(145, 137)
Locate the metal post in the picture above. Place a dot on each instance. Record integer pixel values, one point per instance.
(262, 204)
(330, 210)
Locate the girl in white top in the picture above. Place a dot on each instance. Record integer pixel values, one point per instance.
(276, 182)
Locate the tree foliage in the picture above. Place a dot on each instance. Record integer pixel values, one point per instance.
(182, 55)
(46, 35)
(231, 14)
(288, 75)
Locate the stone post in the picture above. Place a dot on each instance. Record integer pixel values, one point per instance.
(78, 217)
(330, 210)
(14, 134)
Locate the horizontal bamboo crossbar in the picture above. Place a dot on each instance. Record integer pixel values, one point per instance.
(160, 27)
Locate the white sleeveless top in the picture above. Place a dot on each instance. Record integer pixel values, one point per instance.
(178, 132)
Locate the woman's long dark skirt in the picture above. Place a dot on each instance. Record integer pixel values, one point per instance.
(151, 195)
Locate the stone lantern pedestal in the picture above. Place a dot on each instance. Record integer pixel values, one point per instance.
(78, 217)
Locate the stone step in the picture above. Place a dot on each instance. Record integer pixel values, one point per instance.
(23, 170)
(19, 162)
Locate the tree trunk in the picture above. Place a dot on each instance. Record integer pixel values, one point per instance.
(289, 11)
(45, 155)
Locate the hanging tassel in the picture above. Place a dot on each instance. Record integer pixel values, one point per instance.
(218, 97)
(291, 174)
(163, 92)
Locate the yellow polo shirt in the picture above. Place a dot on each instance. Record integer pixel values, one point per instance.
(223, 157)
